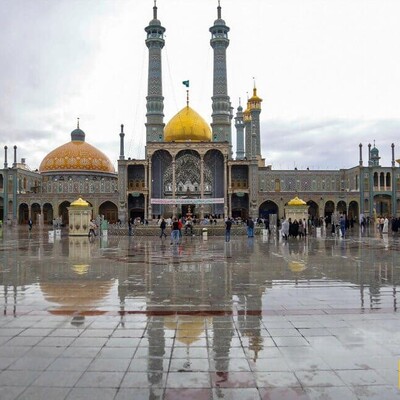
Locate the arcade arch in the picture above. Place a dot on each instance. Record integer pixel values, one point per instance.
(23, 213)
(110, 211)
(267, 208)
(35, 213)
(354, 211)
(313, 209)
(48, 214)
(63, 212)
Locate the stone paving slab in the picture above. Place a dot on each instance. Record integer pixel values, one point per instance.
(257, 318)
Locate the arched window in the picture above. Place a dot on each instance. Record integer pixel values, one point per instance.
(388, 180)
(277, 185)
(375, 179)
(382, 179)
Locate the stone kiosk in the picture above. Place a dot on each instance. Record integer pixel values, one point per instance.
(296, 209)
(80, 214)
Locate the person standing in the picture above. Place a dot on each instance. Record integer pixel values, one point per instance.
(250, 228)
(163, 226)
(285, 229)
(266, 224)
(92, 228)
(343, 225)
(180, 226)
(228, 226)
(301, 229)
(130, 226)
(385, 228)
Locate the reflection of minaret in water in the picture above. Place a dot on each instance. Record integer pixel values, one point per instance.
(15, 295)
(155, 360)
(222, 342)
(249, 320)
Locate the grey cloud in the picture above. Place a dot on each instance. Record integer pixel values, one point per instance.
(321, 144)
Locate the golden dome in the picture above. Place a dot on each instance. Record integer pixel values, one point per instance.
(77, 155)
(79, 203)
(297, 202)
(186, 126)
(247, 114)
(254, 101)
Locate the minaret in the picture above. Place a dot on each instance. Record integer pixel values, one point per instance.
(15, 157)
(374, 161)
(393, 163)
(5, 157)
(121, 143)
(155, 100)
(239, 125)
(255, 110)
(247, 127)
(221, 105)
(369, 154)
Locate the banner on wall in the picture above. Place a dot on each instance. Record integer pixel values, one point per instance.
(219, 200)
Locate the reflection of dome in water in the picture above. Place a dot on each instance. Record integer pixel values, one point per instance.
(297, 266)
(187, 125)
(188, 328)
(76, 155)
(76, 295)
(81, 269)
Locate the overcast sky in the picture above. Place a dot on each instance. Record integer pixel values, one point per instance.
(327, 70)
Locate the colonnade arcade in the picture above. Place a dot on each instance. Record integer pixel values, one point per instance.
(325, 209)
(46, 212)
(187, 180)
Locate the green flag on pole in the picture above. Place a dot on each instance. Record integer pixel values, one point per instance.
(186, 83)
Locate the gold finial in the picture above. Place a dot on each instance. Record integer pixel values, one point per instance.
(254, 87)
(187, 97)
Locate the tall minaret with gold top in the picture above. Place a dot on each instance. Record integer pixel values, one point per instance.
(221, 106)
(154, 100)
(254, 106)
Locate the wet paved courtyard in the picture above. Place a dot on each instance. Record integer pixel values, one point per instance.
(136, 318)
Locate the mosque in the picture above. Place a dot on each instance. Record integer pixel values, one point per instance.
(189, 165)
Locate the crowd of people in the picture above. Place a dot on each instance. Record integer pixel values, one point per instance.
(298, 228)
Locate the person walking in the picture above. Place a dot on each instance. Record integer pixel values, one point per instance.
(175, 231)
(163, 226)
(228, 226)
